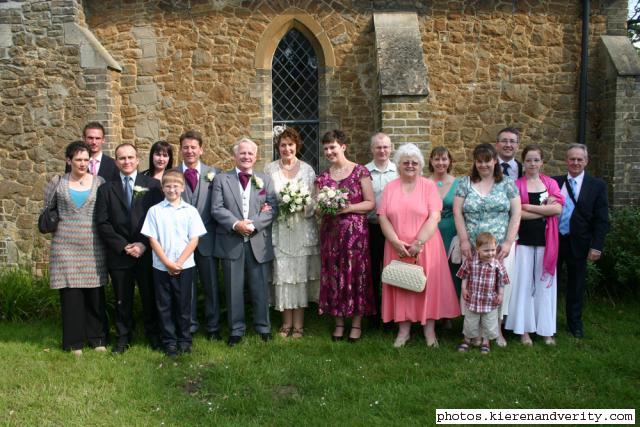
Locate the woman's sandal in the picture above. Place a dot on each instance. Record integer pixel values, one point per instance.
(354, 339)
(463, 348)
(297, 333)
(338, 337)
(284, 331)
(485, 349)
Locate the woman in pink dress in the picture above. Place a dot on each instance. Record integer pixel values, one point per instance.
(409, 213)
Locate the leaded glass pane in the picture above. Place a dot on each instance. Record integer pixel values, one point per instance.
(295, 92)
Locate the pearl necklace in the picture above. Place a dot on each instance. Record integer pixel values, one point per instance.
(290, 167)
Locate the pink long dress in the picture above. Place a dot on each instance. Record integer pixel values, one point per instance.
(407, 213)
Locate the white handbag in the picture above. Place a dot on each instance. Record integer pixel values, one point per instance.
(455, 254)
(409, 276)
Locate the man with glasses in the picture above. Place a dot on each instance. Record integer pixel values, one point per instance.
(382, 172)
(507, 146)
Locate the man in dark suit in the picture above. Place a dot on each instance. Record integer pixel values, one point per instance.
(121, 207)
(507, 143)
(99, 163)
(244, 206)
(584, 223)
(199, 179)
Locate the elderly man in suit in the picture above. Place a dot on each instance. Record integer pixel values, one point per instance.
(584, 223)
(199, 180)
(99, 163)
(507, 142)
(121, 207)
(244, 206)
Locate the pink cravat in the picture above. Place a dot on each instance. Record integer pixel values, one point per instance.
(93, 166)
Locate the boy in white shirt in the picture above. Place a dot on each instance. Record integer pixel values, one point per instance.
(173, 228)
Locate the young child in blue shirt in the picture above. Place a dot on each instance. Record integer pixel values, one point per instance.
(173, 228)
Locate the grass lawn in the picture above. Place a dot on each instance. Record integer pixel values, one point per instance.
(314, 381)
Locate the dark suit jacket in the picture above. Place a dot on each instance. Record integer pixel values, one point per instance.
(108, 169)
(200, 198)
(117, 226)
(590, 219)
(519, 169)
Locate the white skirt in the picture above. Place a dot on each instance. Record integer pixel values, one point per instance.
(533, 301)
(510, 265)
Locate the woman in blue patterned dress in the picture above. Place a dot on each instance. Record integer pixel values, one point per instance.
(77, 264)
(487, 201)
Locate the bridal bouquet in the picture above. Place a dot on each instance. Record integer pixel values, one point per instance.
(332, 200)
(293, 198)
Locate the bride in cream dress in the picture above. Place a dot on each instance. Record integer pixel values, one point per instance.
(296, 267)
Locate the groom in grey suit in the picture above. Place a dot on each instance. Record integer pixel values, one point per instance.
(199, 179)
(244, 206)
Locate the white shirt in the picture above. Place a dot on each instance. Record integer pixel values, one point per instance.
(513, 167)
(578, 179)
(173, 227)
(379, 179)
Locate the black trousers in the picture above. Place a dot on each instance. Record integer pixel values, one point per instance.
(576, 282)
(83, 317)
(173, 299)
(376, 250)
(124, 281)
(207, 267)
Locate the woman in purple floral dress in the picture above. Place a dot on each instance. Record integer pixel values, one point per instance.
(345, 281)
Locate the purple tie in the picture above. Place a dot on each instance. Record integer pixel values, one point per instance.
(191, 175)
(244, 179)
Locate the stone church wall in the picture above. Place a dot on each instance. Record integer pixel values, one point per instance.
(191, 64)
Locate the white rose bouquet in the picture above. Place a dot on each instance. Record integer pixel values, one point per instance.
(293, 198)
(332, 200)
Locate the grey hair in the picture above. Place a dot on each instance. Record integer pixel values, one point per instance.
(377, 137)
(236, 146)
(408, 150)
(580, 146)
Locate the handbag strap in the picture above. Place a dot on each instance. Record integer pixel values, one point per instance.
(53, 193)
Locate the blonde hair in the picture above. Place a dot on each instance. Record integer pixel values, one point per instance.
(172, 177)
(484, 238)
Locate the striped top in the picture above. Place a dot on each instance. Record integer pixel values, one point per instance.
(77, 257)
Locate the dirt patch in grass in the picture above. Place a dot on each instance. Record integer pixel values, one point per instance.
(192, 386)
(287, 391)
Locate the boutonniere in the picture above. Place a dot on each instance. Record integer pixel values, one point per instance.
(138, 191)
(543, 197)
(257, 182)
(210, 176)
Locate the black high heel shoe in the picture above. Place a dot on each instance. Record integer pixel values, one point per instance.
(355, 340)
(335, 338)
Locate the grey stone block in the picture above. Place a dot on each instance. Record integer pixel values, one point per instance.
(399, 54)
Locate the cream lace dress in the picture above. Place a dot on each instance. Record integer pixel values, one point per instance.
(296, 267)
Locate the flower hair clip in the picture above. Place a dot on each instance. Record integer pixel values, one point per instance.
(277, 130)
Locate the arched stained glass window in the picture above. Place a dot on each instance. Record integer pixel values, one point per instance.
(295, 92)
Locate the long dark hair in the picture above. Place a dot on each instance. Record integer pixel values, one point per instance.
(484, 153)
(160, 147)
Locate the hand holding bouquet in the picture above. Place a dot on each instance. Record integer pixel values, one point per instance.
(332, 200)
(293, 198)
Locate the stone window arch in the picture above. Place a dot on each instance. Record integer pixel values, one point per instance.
(262, 127)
